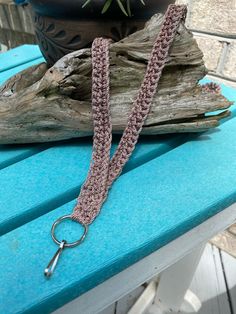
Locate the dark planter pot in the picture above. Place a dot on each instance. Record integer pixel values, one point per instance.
(63, 26)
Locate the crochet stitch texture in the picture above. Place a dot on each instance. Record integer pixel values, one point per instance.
(103, 170)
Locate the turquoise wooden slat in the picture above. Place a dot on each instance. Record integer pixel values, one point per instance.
(19, 56)
(142, 155)
(10, 154)
(44, 181)
(5, 75)
(147, 207)
(149, 149)
(144, 152)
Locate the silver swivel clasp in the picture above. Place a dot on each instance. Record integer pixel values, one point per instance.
(62, 244)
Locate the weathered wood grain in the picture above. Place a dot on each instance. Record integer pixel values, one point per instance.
(41, 104)
(16, 24)
(229, 263)
(16, 18)
(226, 241)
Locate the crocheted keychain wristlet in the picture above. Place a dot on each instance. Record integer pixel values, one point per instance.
(103, 170)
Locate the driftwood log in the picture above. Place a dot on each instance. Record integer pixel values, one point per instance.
(40, 104)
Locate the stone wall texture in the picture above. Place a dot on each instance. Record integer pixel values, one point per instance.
(213, 23)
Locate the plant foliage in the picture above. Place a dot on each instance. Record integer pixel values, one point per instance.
(124, 5)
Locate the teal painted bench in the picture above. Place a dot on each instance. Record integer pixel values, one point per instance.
(175, 193)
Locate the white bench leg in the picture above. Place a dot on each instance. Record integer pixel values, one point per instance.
(172, 292)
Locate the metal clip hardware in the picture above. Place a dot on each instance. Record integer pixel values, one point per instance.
(53, 263)
(62, 245)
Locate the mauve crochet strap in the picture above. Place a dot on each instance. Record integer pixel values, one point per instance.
(104, 171)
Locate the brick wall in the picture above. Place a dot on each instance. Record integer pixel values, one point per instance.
(213, 23)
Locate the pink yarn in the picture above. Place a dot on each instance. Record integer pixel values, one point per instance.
(104, 171)
(211, 87)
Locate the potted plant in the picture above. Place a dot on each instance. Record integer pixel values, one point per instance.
(63, 26)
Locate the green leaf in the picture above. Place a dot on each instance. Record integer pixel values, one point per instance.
(142, 2)
(122, 7)
(106, 6)
(86, 3)
(128, 7)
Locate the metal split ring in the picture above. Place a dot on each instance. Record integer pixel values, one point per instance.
(67, 244)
